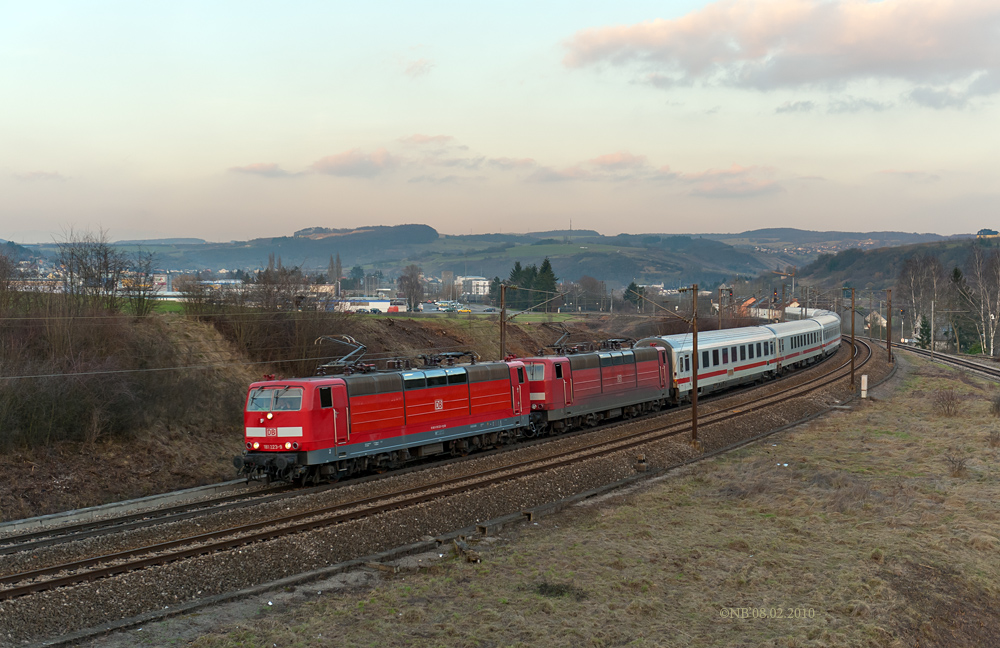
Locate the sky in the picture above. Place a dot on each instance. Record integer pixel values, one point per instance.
(233, 120)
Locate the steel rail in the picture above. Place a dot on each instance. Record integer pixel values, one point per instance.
(365, 507)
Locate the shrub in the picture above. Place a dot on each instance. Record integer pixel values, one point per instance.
(945, 402)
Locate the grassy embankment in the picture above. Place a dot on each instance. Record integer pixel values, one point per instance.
(881, 530)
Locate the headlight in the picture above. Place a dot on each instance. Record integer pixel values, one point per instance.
(256, 445)
(288, 445)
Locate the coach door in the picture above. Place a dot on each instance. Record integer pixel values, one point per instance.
(335, 397)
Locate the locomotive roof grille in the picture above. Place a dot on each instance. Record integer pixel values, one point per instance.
(367, 384)
(584, 361)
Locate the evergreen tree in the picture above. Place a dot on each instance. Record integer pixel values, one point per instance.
(924, 334)
(545, 284)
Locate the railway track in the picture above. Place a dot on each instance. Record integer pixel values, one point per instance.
(955, 361)
(92, 568)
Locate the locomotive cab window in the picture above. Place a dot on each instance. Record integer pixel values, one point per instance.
(325, 397)
(520, 374)
(558, 370)
(288, 400)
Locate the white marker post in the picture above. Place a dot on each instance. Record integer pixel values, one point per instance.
(864, 386)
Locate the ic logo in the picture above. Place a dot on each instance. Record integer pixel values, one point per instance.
(439, 404)
(272, 432)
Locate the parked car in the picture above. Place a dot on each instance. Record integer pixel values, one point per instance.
(464, 310)
(490, 310)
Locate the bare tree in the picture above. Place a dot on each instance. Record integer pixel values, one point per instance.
(411, 286)
(981, 293)
(138, 287)
(93, 270)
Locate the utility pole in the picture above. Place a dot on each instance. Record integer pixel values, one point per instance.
(503, 321)
(932, 330)
(888, 324)
(720, 308)
(783, 302)
(852, 341)
(694, 367)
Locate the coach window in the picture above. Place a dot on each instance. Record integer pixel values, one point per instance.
(558, 370)
(715, 357)
(325, 397)
(704, 360)
(687, 363)
(771, 343)
(750, 350)
(725, 356)
(758, 349)
(743, 352)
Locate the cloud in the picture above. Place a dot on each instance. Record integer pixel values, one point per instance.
(853, 105)
(614, 167)
(41, 176)
(735, 182)
(795, 106)
(266, 169)
(418, 68)
(356, 163)
(766, 44)
(619, 160)
(919, 177)
(447, 179)
(508, 164)
(421, 140)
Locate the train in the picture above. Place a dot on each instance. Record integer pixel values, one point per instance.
(322, 428)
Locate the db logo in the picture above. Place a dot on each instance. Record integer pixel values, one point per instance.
(619, 378)
(271, 432)
(439, 404)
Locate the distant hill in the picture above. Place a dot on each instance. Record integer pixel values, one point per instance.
(163, 241)
(792, 236)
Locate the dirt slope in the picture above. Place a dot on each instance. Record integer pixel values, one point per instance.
(71, 475)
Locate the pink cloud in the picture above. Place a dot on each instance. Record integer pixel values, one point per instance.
(779, 43)
(356, 163)
(735, 182)
(266, 169)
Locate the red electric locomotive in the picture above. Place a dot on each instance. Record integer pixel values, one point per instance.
(305, 429)
(586, 388)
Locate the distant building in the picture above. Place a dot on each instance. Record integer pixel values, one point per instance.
(987, 233)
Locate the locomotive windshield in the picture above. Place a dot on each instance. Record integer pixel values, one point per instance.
(286, 399)
(535, 371)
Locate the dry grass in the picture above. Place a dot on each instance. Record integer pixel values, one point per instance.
(863, 539)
